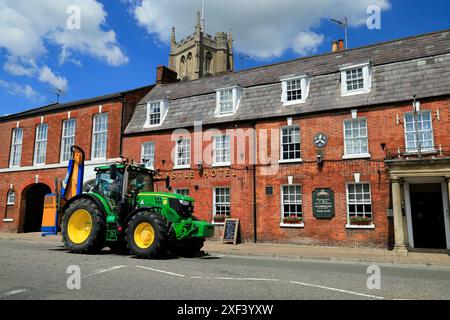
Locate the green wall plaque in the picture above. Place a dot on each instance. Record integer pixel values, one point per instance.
(323, 203)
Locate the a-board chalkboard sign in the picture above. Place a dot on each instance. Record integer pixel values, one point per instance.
(230, 230)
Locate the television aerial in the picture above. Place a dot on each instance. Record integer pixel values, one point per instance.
(343, 24)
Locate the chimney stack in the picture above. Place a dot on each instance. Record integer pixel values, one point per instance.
(165, 75)
(337, 46)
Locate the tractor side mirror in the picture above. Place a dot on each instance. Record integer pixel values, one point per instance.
(168, 187)
(113, 172)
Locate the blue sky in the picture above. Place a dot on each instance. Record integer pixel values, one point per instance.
(126, 39)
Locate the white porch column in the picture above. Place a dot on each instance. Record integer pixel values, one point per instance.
(399, 247)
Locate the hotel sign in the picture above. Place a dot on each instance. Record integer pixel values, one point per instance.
(323, 203)
(207, 173)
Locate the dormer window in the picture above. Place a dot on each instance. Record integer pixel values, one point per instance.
(156, 113)
(294, 90)
(356, 79)
(228, 100)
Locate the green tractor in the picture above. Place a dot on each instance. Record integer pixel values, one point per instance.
(124, 212)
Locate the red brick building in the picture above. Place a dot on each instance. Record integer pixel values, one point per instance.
(351, 147)
(35, 148)
(346, 148)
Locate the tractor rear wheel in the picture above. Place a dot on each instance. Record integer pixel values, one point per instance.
(83, 227)
(147, 235)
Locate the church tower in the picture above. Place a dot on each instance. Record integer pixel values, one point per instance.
(201, 55)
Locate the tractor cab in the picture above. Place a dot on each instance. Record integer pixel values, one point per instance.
(123, 182)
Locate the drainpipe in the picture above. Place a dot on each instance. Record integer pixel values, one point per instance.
(122, 126)
(255, 233)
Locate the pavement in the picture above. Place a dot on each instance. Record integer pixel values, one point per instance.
(296, 252)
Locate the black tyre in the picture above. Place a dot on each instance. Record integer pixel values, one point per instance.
(147, 235)
(83, 227)
(189, 247)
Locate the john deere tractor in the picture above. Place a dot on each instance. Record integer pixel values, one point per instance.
(123, 212)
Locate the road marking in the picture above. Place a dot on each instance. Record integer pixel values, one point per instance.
(162, 271)
(10, 293)
(245, 279)
(96, 272)
(338, 290)
(229, 278)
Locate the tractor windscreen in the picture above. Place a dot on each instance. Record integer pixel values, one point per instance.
(139, 182)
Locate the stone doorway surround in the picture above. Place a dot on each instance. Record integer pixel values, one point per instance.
(404, 172)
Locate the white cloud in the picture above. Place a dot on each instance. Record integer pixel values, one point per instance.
(29, 26)
(46, 75)
(15, 89)
(306, 42)
(263, 29)
(28, 29)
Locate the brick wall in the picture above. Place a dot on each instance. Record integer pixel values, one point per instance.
(21, 180)
(336, 172)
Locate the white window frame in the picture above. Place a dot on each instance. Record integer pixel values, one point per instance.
(16, 148)
(356, 155)
(352, 226)
(150, 164)
(97, 134)
(215, 203)
(304, 86)
(9, 201)
(367, 78)
(415, 150)
(65, 139)
(188, 156)
(295, 203)
(40, 145)
(236, 100)
(224, 150)
(163, 110)
(181, 191)
(282, 160)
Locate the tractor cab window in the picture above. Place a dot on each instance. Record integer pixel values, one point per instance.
(109, 188)
(139, 182)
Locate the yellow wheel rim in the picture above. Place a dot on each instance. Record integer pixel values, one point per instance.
(144, 235)
(79, 226)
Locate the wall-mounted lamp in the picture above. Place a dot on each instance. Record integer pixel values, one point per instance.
(200, 165)
(383, 146)
(416, 105)
(319, 160)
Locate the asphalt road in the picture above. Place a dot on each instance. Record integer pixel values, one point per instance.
(36, 270)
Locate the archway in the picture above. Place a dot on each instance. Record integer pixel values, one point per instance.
(33, 206)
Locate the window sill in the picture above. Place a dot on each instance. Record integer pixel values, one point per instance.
(8, 220)
(223, 164)
(356, 156)
(291, 103)
(149, 126)
(291, 161)
(218, 223)
(223, 115)
(182, 167)
(416, 152)
(354, 93)
(291, 225)
(350, 226)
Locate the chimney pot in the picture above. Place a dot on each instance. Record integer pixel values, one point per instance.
(341, 45)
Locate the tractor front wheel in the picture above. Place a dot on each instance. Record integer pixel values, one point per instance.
(83, 227)
(147, 235)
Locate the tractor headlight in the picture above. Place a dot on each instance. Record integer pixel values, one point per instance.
(185, 203)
